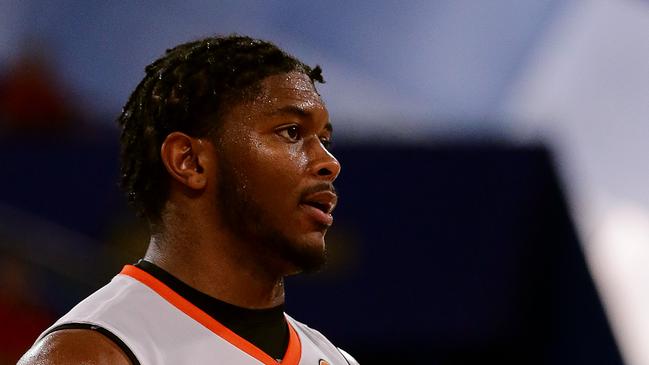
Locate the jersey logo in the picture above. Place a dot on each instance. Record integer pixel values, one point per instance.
(323, 362)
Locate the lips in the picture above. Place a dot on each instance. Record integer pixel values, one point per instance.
(319, 205)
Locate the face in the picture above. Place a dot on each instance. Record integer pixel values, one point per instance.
(275, 173)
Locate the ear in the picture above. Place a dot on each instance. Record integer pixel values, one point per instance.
(183, 157)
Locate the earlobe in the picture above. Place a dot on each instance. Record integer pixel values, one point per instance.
(180, 154)
(197, 181)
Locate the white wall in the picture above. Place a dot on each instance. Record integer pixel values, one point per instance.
(586, 89)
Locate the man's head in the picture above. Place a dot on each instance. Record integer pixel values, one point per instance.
(238, 122)
(188, 90)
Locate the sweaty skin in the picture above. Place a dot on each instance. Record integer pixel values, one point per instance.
(75, 346)
(240, 214)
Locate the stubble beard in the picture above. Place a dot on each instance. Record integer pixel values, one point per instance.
(254, 225)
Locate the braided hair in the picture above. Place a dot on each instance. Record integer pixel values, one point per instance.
(188, 90)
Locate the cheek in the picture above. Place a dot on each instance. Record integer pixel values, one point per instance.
(297, 156)
(276, 169)
(281, 156)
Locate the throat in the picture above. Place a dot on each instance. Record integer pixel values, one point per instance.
(220, 267)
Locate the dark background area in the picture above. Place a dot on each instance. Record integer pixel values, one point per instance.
(462, 253)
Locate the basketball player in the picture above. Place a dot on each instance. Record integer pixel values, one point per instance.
(224, 151)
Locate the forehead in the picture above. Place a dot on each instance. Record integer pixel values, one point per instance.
(288, 88)
(286, 93)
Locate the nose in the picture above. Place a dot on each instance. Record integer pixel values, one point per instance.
(326, 166)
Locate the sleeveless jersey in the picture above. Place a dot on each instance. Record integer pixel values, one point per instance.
(159, 326)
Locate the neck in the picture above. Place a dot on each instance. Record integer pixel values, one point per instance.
(216, 264)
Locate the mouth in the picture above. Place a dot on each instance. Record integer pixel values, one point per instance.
(320, 205)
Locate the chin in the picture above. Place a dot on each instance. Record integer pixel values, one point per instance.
(307, 255)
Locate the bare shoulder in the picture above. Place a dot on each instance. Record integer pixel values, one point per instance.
(75, 346)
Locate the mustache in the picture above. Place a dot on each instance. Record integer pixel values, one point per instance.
(321, 186)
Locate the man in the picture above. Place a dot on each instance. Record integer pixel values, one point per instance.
(224, 151)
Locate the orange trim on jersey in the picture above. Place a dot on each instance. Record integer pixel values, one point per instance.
(293, 352)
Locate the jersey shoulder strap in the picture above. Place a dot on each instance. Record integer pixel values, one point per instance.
(316, 347)
(156, 330)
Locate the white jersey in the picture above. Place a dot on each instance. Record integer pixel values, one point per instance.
(158, 326)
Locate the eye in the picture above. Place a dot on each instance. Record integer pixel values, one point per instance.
(291, 132)
(326, 142)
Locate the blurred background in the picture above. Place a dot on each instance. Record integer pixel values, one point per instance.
(495, 189)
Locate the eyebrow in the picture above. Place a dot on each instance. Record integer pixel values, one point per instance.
(294, 109)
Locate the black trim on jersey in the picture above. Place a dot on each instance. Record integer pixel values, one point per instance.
(343, 355)
(265, 328)
(111, 336)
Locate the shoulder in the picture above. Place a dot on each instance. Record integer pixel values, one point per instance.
(321, 341)
(75, 346)
(348, 357)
